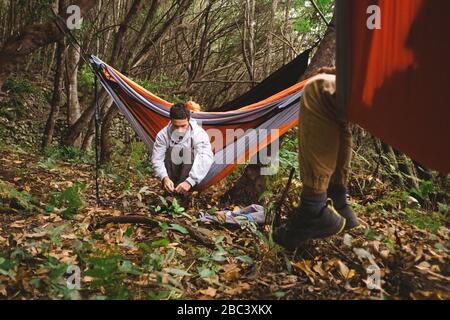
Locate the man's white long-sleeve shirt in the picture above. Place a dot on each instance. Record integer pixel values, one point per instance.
(203, 155)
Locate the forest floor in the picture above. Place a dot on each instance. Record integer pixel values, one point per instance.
(49, 221)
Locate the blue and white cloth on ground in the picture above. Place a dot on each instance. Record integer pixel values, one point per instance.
(254, 213)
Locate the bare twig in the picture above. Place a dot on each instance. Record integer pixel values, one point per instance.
(320, 12)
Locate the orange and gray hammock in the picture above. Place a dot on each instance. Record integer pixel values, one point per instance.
(148, 114)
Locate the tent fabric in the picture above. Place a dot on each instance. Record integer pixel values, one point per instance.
(395, 81)
(148, 114)
(285, 77)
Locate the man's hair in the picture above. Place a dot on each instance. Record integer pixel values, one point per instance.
(179, 111)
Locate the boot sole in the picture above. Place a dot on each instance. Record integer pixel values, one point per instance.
(351, 226)
(332, 232)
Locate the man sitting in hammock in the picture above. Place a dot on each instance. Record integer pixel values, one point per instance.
(325, 154)
(182, 153)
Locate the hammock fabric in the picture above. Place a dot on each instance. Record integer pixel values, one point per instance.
(285, 77)
(148, 114)
(395, 81)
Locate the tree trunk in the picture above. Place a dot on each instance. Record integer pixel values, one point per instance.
(73, 104)
(285, 31)
(105, 140)
(56, 98)
(326, 52)
(88, 137)
(77, 128)
(270, 27)
(57, 86)
(248, 39)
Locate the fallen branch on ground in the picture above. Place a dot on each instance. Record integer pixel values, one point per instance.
(137, 219)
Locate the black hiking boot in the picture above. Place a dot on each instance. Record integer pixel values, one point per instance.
(350, 217)
(303, 226)
(339, 196)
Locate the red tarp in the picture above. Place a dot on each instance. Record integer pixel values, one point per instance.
(397, 79)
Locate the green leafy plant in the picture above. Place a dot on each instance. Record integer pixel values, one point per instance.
(429, 222)
(10, 260)
(48, 164)
(13, 200)
(173, 208)
(69, 154)
(443, 208)
(7, 266)
(86, 78)
(109, 272)
(69, 201)
(426, 188)
(211, 261)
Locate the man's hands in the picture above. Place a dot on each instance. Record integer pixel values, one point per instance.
(183, 187)
(168, 185)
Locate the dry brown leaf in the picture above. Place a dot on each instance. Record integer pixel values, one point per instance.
(305, 266)
(35, 235)
(231, 273)
(181, 252)
(423, 267)
(385, 254)
(345, 271)
(70, 236)
(43, 271)
(210, 292)
(419, 254)
(241, 287)
(3, 290)
(318, 269)
(18, 224)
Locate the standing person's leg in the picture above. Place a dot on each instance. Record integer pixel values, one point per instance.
(319, 138)
(319, 134)
(337, 190)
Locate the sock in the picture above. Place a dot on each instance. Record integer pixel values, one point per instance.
(311, 204)
(339, 196)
